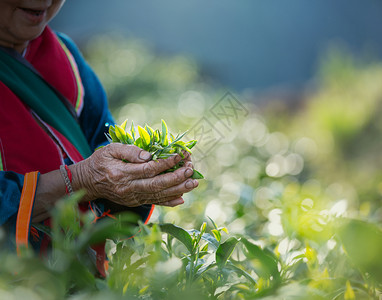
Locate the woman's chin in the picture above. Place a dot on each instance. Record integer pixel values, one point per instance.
(28, 33)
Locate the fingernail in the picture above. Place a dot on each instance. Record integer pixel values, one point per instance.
(195, 183)
(178, 201)
(190, 165)
(190, 184)
(188, 172)
(177, 158)
(144, 155)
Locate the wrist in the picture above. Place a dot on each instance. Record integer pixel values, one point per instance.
(79, 181)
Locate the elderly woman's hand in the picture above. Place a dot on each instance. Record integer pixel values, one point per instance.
(105, 175)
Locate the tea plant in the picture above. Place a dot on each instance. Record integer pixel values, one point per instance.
(165, 261)
(160, 143)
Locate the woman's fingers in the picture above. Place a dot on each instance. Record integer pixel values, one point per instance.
(152, 168)
(172, 203)
(130, 153)
(163, 181)
(145, 197)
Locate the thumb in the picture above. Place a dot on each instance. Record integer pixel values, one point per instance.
(130, 153)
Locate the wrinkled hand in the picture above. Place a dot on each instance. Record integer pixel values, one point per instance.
(105, 175)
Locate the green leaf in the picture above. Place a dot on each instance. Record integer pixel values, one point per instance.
(212, 241)
(197, 175)
(213, 223)
(132, 130)
(223, 229)
(179, 233)
(216, 234)
(130, 139)
(225, 250)
(204, 268)
(204, 248)
(266, 262)
(112, 134)
(349, 293)
(165, 155)
(178, 138)
(239, 271)
(120, 133)
(157, 136)
(149, 130)
(107, 228)
(158, 147)
(191, 144)
(203, 228)
(179, 151)
(362, 242)
(144, 136)
(123, 125)
(138, 142)
(181, 145)
(164, 139)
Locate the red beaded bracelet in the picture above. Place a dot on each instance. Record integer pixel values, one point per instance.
(67, 175)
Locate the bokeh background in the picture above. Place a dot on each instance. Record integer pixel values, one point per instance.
(251, 45)
(308, 74)
(294, 145)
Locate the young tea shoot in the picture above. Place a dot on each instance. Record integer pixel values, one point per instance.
(160, 143)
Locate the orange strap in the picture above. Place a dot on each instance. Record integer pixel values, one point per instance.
(150, 213)
(25, 210)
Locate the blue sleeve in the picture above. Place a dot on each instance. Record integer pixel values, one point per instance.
(11, 185)
(95, 117)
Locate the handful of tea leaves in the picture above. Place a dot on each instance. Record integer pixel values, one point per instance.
(160, 143)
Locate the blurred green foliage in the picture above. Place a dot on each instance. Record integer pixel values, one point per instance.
(299, 191)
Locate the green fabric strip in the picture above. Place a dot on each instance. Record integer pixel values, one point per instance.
(1, 163)
(40, 97)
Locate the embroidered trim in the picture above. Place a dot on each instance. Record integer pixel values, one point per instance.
(80, 87)
(1, 158)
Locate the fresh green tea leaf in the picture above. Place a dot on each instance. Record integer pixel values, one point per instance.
(132, 130)
(144, 136)
(225, 251)
(121, 135)
(266, 264)
(113, 135)
(362, 242)
(123, 125)
(138, 142)
(154, 141)
(217, 234)
(197, 175)
(164, 139)
(179, 233)
(130, 139)
(191, 144)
